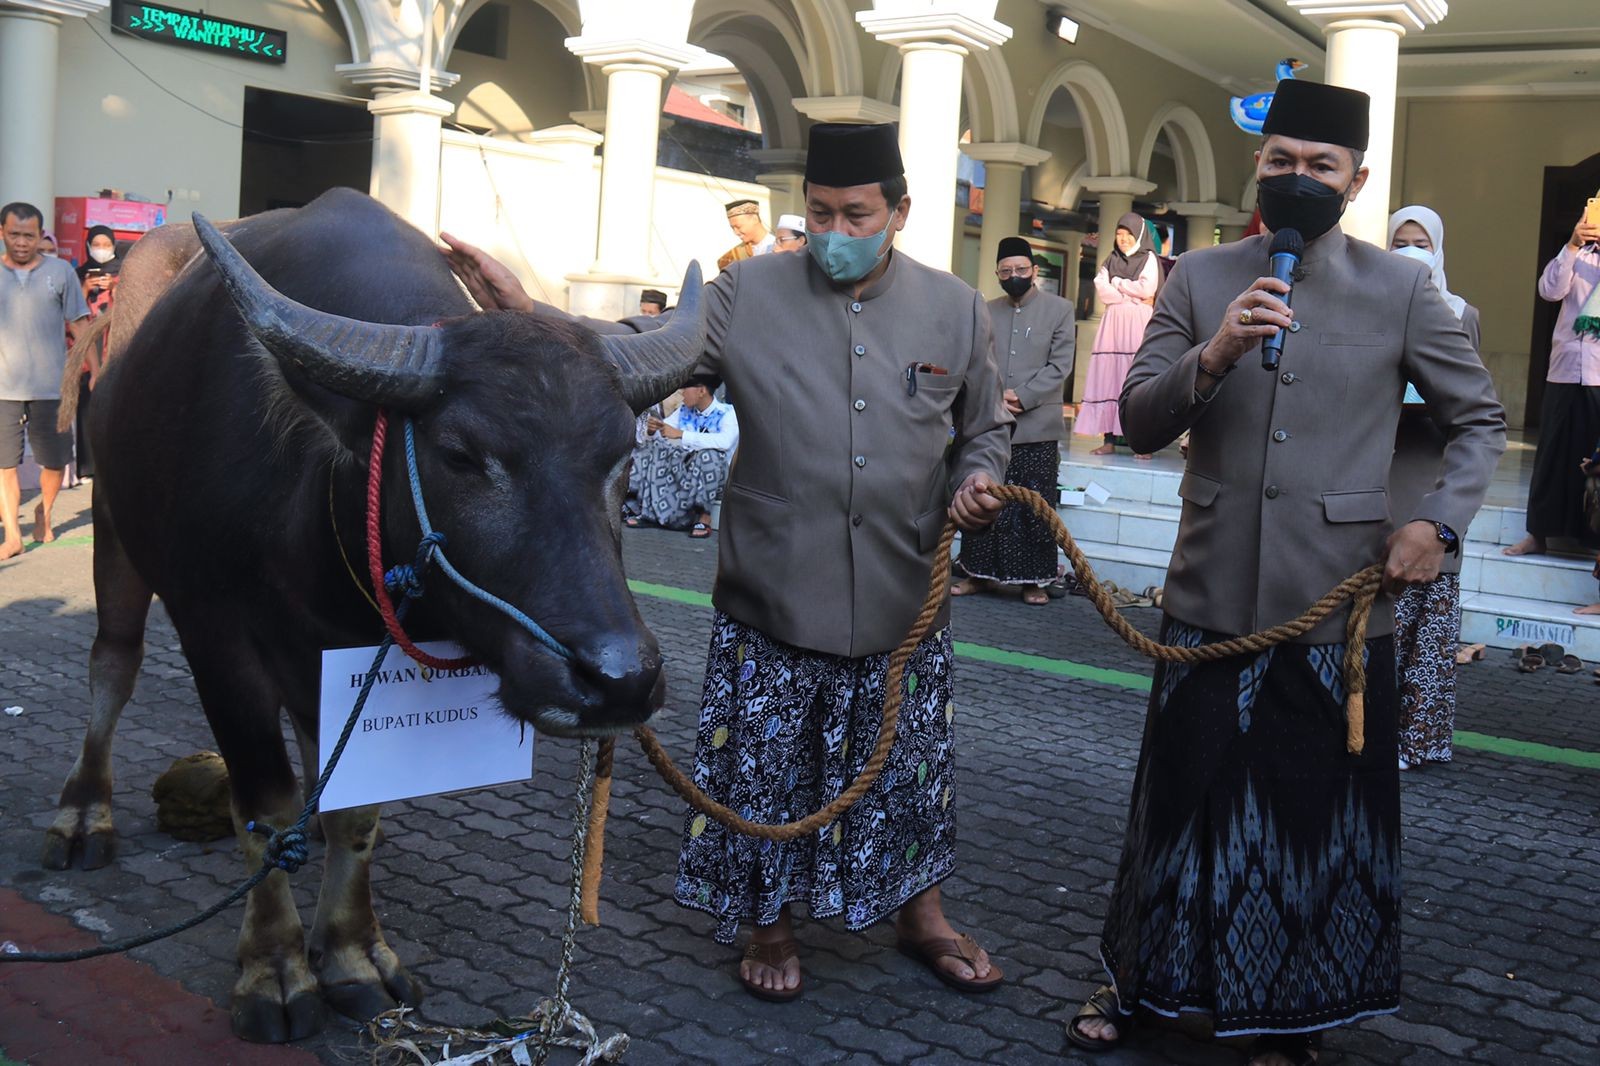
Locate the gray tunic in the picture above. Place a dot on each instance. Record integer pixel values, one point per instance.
(1034, 345)
(858, 419)
(1285, 493)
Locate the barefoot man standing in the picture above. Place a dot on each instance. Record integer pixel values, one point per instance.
(38, 295)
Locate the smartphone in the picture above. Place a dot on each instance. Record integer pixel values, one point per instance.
(1592, 214)
(92, 272)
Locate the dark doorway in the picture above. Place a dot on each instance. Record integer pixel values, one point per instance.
(1566, 191)
(298, 147)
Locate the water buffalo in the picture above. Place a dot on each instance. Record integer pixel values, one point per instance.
(231, 432)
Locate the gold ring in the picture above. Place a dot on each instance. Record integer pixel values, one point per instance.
(1245, 317)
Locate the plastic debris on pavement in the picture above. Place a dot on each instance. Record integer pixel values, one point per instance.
(14, 711)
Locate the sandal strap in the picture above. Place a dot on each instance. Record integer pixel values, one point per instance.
(1103, 1004)
(773, 955)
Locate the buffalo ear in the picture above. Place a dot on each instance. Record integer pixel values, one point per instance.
(655, 364)
(401, 367)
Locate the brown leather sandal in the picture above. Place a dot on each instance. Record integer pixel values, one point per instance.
(963, 947)
(772, 956)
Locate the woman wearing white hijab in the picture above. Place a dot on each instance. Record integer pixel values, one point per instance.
(1427, 618)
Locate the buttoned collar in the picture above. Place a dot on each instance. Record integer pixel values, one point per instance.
(1027, 298)
(885, 280)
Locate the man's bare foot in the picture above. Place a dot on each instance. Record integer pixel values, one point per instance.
(1143, 458)
(1105, 449)
(1529, 545)
(10, 549)
(1101, 1029)
(1593, 608)
(1035, 597)
(968, 586)
(922, 919)
(784, 977)
(42, 533)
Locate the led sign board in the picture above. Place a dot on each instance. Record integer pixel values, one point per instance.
(194, 29)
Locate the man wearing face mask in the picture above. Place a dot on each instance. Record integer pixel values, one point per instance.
(870, 410)
(1034, 342)
(1260, 875)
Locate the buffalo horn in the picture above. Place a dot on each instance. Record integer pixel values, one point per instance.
(655, 363)
(392, 366)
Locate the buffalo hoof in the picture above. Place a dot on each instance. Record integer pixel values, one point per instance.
(264, 1020)
(363, 1001)
(80, 836)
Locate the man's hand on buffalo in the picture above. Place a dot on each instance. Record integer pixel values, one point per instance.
(1415, 552)
(973, 508)
(491, 283)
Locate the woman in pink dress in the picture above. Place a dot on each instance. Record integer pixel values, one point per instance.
(1127, 285)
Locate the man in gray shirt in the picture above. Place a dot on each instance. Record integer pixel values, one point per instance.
(38, 295)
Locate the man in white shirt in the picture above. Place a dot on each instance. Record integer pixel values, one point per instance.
(681, 466)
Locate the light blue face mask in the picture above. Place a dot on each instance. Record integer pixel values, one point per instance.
(844, 258)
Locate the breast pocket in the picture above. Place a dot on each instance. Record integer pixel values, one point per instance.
(1364, 505)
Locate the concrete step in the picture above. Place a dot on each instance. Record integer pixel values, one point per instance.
(1131, 567)
(1551, 579)
(1510, 621)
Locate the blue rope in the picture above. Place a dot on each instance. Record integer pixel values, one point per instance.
(435, 548)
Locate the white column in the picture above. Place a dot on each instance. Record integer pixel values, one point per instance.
(635, 72)
(405, 155)
(29, 59)
(1116, 199)
(1231, 226)
(1002, 199)
(784, 172)
(1071, 280)
(934, 37)
(1364, 53)
(1200, 221)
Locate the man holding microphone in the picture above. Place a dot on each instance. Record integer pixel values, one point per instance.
(1260, 876)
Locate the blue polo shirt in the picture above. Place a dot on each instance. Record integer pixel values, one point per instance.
(34, 305)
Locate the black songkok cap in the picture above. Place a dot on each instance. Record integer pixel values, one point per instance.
(709, 382)
(1312, 111)
(842, 154)
(1013, 246)
(653, 296)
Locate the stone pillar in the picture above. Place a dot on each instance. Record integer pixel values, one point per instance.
(934, 37)
(1002, 200)
(1116, 199)
(29, 61)
(1364, 53)
(635, 72)
(1071, 281)
(1200, 222)
(1233, 224)
(784, 172)
(405, 155)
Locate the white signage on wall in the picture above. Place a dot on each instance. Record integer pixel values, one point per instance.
(422, 732)
(1530, 632)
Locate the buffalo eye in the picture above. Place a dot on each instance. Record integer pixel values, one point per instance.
(461, 460)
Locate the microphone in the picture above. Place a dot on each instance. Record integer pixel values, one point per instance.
(1282, 259)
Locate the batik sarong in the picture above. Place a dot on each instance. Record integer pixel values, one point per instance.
(1427, 629)
(1260, 875)
(1018, 548)
(672, 482)
(783, 731)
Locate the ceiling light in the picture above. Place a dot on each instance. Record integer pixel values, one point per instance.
(1063, 26)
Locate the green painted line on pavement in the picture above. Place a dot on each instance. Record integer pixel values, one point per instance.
(60, 542)
(1059, 667)
(1518, 749)
(668, 592)
(1528, 749)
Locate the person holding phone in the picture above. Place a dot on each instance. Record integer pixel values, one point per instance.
(1569, 420)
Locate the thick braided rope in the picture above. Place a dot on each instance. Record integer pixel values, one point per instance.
(594, 856)
(1360, 588)
(938, 582)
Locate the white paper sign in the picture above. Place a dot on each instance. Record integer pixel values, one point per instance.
(422, 731)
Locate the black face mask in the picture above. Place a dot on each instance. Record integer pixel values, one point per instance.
(1299, 202)
(1016, 287)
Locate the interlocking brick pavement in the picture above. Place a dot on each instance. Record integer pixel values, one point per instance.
(1502, 856)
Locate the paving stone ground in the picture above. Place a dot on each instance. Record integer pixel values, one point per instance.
(1502, 858)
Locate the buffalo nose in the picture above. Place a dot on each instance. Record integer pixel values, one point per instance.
(624, 669)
